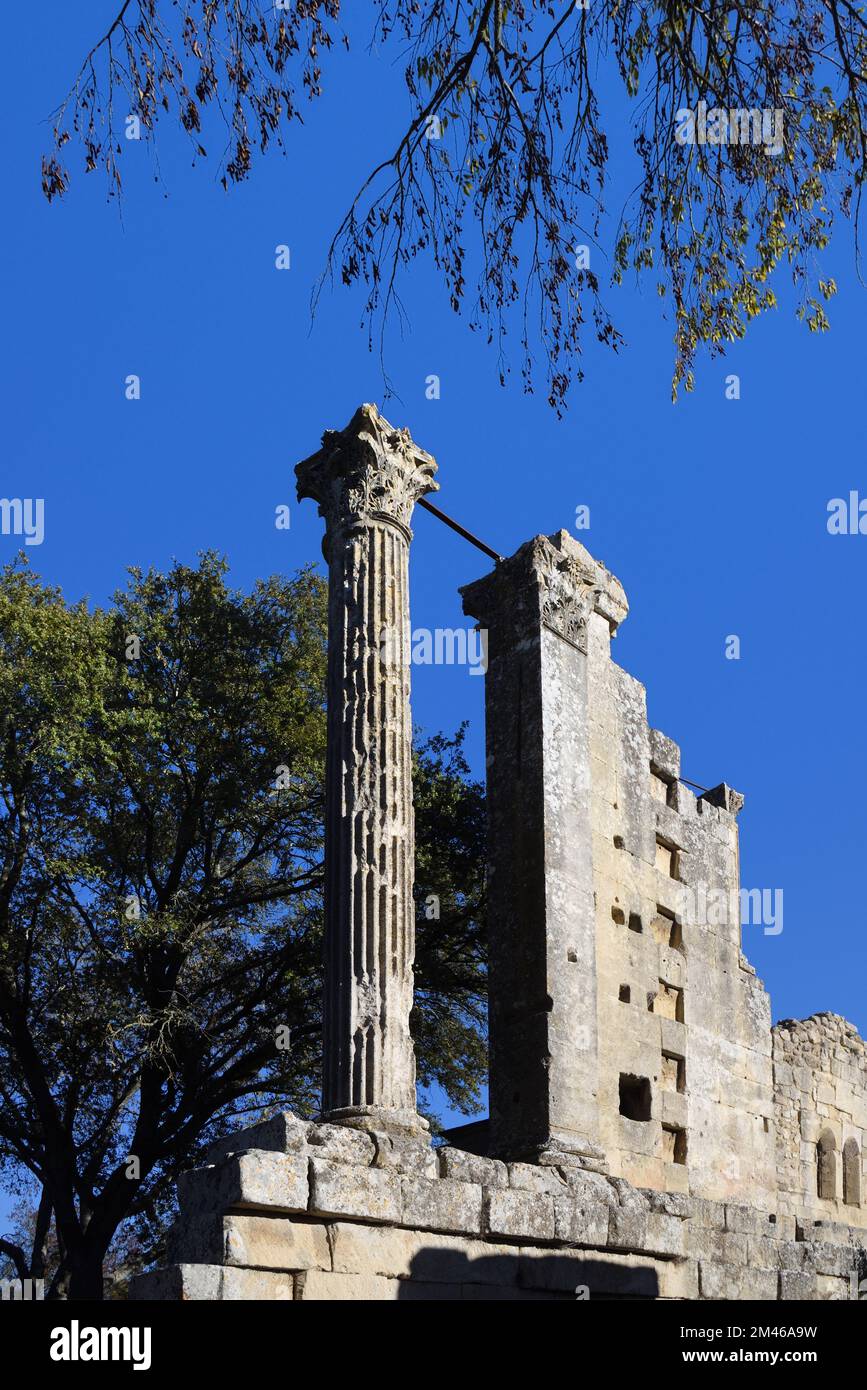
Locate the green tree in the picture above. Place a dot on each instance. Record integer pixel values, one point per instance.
(500, 169)
(161, 813)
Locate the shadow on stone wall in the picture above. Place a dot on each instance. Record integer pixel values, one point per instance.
(445, 1275)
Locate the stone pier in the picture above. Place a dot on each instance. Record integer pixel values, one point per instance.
(543, 1015)
(367, 479)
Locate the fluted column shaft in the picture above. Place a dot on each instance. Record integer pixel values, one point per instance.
(366, 479)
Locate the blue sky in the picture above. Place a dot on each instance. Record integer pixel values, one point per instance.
(711, 512)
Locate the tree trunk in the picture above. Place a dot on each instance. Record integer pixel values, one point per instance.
(80, 1278)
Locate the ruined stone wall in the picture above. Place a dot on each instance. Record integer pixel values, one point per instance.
(649, 1136)
(298, 1212)
(685, 1085)
(820, 1084)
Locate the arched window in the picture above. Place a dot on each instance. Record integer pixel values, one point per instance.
(826, 1166)
(851, 1173)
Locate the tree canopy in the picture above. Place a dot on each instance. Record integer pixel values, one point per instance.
(746, 131)
(161, 840)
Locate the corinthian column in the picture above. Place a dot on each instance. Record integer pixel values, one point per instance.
(367, 479)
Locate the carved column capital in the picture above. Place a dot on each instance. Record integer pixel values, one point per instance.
(568, 594)
(367, 472)
(551, 582)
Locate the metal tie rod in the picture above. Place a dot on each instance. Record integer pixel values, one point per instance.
(461, 530)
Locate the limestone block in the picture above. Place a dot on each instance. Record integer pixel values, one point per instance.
(671, 1203)
(590, 1186)
(672, 966)
(423, 1255)
(628, 1223)
(523, 1215)
(748, 1220)
(337, 1189)
(763, 1252)
(793, 1254)
(466, 1167)
(676, 1177)
(797, 1284)
(828, 1258)
(275, 1243)
(530, 1178)
(319, 1286)
(405, 1154)
(559, 1270)
(252, 1179)
(784, 1226)
(732, 1281)
(833, 1290)
(664, 754)
(263, 1242)
(827, 1232)
(722, 1247)
(642, 1172)
(581, 1220)
(678, 1279)
(674, 1109)
(634, 1275)
(638, 1137)
(341, 1144)
(282, 1133)
(673, 1036)
(441, 1205)
(666, 1235)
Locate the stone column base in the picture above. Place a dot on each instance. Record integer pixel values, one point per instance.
(405, 1123)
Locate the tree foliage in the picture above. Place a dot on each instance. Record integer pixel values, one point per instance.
(515, 94)
(161, 843)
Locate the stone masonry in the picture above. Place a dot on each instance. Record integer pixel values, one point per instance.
(650, 1134)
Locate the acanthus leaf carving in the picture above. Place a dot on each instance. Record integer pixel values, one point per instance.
(366, 472)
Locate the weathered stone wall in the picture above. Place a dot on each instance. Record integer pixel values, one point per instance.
(820, 1080)
(680, 1008)
(325, 1212)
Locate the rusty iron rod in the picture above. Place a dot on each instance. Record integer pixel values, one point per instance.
(456, 526)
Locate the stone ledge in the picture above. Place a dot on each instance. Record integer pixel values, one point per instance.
(291, 1200)
(253, 1178)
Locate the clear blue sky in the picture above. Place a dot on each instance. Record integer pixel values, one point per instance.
(711, 512)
